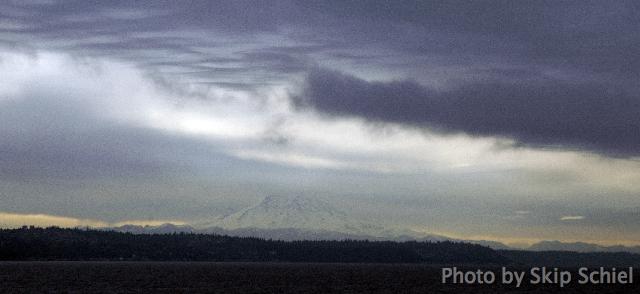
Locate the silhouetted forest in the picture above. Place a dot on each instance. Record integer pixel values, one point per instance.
(80, 244)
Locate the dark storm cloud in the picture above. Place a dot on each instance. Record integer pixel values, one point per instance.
(589, 116)
(589, 35)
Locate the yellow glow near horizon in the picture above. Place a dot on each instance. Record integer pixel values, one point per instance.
(16, 220)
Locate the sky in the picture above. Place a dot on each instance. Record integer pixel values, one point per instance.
(514, 121)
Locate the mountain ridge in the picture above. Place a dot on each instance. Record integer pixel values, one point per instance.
(555, 245)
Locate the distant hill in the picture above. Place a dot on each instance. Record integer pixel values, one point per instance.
(581, 247)
(160, 229)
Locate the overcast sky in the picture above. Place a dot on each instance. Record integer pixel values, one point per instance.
(508, 120)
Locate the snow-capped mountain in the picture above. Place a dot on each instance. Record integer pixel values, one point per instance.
(305, 218)
(299, 218)
(310, 216)
(300, 213)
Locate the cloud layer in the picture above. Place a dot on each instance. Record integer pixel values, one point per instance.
(544, 113)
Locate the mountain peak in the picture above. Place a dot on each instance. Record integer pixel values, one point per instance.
(299, 203)
(312, 216)
(300, 212)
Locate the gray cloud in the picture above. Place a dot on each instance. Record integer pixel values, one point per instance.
(546, 73)
(581, 39)
(592, 116)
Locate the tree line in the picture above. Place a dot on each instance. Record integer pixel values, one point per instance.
(86, 244)
(53, 243)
